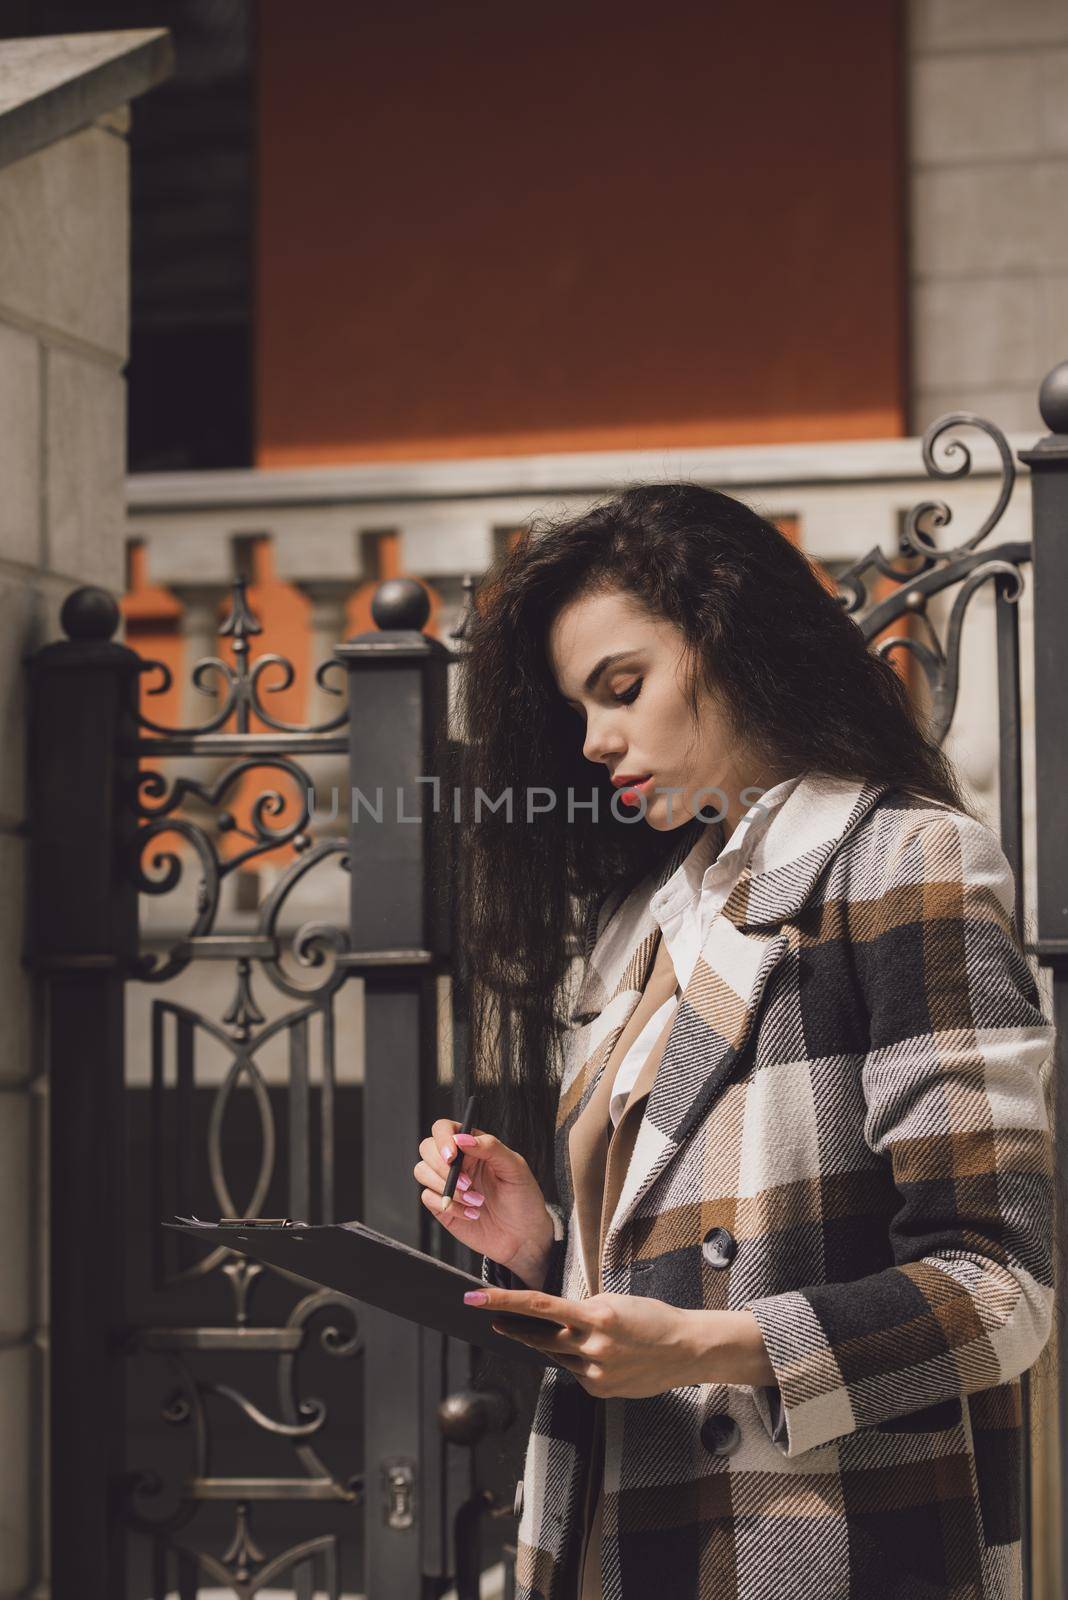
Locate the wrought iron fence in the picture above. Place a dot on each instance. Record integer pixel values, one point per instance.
(243, 1476)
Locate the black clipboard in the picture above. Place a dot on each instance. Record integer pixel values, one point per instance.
(373, 1269)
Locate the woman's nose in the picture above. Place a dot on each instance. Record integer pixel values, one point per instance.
(601, 741)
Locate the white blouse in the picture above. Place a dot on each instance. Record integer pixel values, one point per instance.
(684, 907)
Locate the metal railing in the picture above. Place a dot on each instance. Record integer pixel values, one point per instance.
(103, 799)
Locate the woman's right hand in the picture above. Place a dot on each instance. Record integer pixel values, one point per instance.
(497, 1209)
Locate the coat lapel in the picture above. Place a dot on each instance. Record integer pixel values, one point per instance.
(710, 1029)
(588, 1138)
(623, 923)
(720, 1002)
(616, 973)
(592, 1044)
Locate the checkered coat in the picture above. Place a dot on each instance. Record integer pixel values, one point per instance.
(850, 1096)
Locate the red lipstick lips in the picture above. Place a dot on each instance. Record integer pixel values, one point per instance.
(632, 787)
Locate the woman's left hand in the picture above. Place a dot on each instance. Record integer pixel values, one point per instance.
(626, 1345)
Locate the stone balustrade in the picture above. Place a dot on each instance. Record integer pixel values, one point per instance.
(438, 521)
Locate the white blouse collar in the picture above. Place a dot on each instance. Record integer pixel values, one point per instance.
(710, 861)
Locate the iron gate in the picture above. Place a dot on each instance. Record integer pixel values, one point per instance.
(191, 1443)
(252, 1435)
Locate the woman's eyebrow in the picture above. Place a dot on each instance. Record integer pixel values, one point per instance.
(595, 673)
(603, 663)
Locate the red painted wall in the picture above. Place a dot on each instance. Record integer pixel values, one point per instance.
(492, 228)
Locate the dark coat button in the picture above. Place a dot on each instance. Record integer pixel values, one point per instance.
(720, 1434)
(719, 1247)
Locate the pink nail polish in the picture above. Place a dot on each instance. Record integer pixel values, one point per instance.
(475, 1297)
(466, 1141)
(473, 1198)
(463, 1181)
(446, 1152)
(472, 1213)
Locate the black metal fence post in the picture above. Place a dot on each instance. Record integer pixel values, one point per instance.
(81, 941)
(399, 941)
(1048, 461)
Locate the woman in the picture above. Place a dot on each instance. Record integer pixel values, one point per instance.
(800, 1251)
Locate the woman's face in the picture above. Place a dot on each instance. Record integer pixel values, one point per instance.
(622, 670)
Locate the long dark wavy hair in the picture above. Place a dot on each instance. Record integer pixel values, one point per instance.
(790, 669)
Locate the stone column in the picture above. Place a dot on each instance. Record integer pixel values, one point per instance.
(988, 185)
(326, 630)
(200, 638)
(64, 253)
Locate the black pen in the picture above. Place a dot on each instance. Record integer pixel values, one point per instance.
(454, 1170)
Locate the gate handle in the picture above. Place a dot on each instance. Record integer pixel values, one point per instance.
(468, 1415)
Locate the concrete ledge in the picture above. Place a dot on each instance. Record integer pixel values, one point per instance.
(836, 463)
(51, 87)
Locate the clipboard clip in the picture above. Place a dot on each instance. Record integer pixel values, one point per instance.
(258, 1222)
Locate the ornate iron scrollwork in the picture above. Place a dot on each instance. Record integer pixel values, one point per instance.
(931, 569)
(242, 691)
(187, 820)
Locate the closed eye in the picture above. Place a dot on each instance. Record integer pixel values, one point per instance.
(628, 696)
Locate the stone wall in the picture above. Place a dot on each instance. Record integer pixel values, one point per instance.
(63, 345)
(988, 164)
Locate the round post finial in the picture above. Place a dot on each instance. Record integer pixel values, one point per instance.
(1053, 398)
(400, 603)
(90, 613)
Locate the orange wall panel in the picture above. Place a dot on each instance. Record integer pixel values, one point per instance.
(500, 229)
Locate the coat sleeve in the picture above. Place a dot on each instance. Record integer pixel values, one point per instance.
(954, 1103)
(503, 1278)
